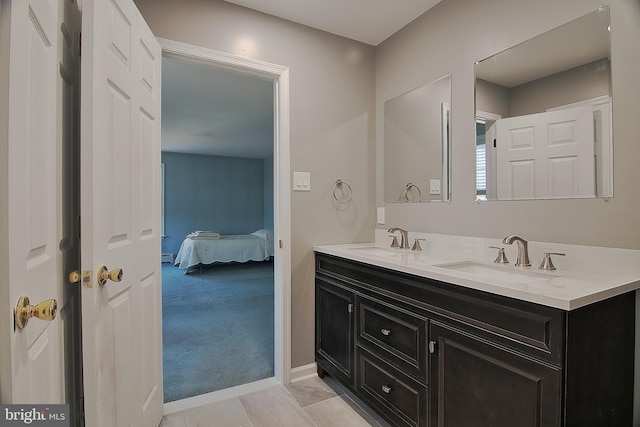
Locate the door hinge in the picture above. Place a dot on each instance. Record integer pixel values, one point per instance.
(79, 228)
(432, 347)
(80, 44)
(350, 308)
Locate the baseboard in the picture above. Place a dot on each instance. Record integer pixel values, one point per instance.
(303, 372)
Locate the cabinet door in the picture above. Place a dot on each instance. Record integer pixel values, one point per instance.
(476, 383)
(334, 331)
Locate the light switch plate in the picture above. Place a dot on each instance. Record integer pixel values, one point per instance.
(302, 181)
(434, 186)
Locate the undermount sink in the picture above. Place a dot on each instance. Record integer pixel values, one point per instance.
(497, 272)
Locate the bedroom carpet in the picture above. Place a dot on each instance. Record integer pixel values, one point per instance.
(217, 327)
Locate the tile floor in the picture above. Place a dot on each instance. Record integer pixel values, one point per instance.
(310, 403)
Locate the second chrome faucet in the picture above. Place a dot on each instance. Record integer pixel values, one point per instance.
(522, 259)
(404, 237)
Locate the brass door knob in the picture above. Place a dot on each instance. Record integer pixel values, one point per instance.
(46, 310)
(104, 274)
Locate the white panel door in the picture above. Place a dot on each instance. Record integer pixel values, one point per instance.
(120, 205)
(546, 155)
(35, 235)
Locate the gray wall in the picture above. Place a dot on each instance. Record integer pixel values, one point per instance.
(226, 194)
(332, 126)
(450, 38)
(334, 96)
(413, 135)
(577, 84)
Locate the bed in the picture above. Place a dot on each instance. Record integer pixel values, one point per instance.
(201, 248)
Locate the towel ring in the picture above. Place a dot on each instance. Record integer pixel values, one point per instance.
(404, 196)
(344, 195)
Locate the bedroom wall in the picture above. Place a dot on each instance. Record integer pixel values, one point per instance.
(331, 85)
(268, 193)
(212, 193)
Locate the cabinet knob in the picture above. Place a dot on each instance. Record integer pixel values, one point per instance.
(432, 347)
(385, 332)
(386, 389)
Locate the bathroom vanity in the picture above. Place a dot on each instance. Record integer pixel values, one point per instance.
(427, 346)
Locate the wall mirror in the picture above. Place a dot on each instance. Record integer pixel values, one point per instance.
(543, 115)
(417, 144)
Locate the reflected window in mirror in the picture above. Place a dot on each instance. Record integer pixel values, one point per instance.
(481, 161)
(544, 110)
(417, 158)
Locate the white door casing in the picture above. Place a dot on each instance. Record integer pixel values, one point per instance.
(33, 199)
(120, 209)
(546, 155)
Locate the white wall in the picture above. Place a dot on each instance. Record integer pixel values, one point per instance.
(449, 39)
(332, 125)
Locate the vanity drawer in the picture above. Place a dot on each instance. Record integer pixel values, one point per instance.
(393, 334)
(396, 395)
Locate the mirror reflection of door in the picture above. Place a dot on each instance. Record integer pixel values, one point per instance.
(546, 155)
(565, 68)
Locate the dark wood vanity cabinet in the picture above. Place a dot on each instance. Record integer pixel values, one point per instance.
(334, 331)
(427, 353)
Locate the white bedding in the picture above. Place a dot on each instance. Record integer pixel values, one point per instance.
(257, 246)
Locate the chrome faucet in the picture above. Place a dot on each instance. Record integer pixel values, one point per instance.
(404, 238)
(522, 260)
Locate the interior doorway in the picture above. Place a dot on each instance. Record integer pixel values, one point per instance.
(277, 169)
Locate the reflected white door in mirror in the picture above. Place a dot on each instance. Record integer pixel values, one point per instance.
(543, 115)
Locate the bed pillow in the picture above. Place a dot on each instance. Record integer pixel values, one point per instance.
(264, 233)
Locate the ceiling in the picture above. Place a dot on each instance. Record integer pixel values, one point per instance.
(571, 45)
(367, 21)
(211, 111)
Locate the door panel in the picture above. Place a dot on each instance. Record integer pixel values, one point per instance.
(474, 382)
(334, 330)
(546, 155)
(34, 199)
(120, 216)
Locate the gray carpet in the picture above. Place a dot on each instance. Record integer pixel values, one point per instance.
(217, 327)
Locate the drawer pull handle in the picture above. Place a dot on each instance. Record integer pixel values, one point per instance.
(386, 389)
(385, 332)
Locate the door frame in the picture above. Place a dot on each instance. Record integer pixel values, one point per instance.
(279, 75)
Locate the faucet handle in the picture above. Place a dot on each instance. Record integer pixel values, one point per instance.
(416, 245)
(502, 257)
(394, 242)
(546, 261)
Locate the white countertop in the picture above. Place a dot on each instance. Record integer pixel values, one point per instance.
(563, 288)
